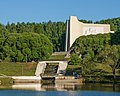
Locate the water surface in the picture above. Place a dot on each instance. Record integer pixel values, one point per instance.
(60, 90)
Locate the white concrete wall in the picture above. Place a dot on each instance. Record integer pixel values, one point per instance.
(42, 65)
(62, 67)
(66, 42)
(76, 29)
(40, 68)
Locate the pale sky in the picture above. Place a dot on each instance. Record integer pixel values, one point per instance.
(57, 10)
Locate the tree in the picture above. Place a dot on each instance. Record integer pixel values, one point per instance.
(75, 59)
(96, 50)
(110, 56)
(25, 47)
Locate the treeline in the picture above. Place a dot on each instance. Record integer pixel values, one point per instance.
(31, 41)
(55, 31)
(12, 36)
(97, 54)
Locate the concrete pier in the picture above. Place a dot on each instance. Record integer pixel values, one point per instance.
(26, 79)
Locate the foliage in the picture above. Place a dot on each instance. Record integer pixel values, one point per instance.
(6, 81)
(75, 59)
(73, 68)
(97, 52)
(25, 47)
(55, 32)
(86, 21)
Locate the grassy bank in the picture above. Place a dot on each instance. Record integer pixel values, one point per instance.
(54, 57)
(17, 69)
(28, 69)
(6, 81)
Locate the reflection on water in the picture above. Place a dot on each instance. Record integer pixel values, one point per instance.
(102, 87)
(60, 90)
(40, 87)
(65, 87)
(36, 87)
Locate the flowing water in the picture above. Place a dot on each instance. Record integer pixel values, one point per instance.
(60, 90)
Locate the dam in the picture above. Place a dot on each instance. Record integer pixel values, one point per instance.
(75, 29)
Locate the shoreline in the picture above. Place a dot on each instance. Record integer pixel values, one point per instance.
(9, 80)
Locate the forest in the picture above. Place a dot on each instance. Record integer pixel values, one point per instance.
(30, 41)
(98, 55)
(21, 42)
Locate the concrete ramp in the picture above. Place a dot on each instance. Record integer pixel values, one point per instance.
(40, 68)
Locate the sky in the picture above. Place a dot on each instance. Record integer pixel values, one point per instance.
(14, 11)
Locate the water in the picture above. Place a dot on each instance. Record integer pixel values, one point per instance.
(56, 93)
(60, 90)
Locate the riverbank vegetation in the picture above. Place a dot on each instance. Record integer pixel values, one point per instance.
(97, 55)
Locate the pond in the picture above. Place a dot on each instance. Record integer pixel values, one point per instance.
(60, 90)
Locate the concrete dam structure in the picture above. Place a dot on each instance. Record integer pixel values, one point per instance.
(75, 29)
(59, 68)
(53, 72)
(45, 70)
(50, 70)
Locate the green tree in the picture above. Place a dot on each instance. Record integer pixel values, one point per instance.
(75, 59)
(25, 47)
(110, 56)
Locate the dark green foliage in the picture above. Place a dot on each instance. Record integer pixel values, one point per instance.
(99, 54)
(75, 60)
(86, 21)
(89, 46)
(55, 31)
(26, 42)
(25, 47)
